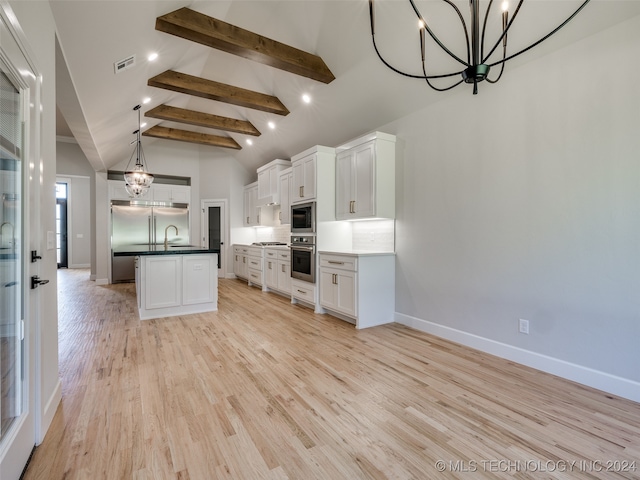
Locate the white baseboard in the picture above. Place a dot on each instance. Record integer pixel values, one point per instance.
(92, 277)
(102, 281)
(622, 387)
(80, 265)
(48, 412)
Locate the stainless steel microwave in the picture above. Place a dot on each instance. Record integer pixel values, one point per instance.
(303, 218)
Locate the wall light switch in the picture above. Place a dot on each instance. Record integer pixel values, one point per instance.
(523, 326)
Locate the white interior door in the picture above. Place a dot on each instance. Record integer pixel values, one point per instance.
(19, 145)
(215, 231)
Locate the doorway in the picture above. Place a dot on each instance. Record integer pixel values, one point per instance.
(62, 225)
(215, 230)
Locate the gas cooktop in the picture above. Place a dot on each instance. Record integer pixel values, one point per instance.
(268, 244)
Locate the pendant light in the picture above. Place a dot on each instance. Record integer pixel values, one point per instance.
(475, 67)
(137, 180)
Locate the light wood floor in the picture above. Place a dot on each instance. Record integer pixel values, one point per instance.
(266, 390)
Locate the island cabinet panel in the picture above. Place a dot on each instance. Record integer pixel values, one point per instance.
(163, 281)
(199, 279)
(173, 284)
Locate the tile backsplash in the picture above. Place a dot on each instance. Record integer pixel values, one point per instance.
(280, 233)
(373, 235)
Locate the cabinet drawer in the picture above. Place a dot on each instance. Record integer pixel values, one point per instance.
(244, 250)
(255, 276)
(304, 291)
(270, 254)
(342, 262)
(284, 256)
(255, 263)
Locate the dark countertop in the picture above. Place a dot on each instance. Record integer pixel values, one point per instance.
(128, 250)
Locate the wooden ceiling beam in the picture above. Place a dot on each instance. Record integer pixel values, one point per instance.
(201, 119)
(201, 87)
(200, 28)
(191, 137)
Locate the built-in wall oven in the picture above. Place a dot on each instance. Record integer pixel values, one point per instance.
(303, 257)
(303, 218)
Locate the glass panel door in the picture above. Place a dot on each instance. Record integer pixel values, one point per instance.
(19, 141)
(11, 264)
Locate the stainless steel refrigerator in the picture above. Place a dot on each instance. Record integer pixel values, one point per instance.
(139, 223)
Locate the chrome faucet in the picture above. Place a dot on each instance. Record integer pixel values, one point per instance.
(166, 243)
(12, 242)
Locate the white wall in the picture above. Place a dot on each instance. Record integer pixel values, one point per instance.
(37, 23)
(522, 202)
(222, 177)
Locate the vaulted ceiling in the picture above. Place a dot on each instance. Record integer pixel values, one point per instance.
(97, 104)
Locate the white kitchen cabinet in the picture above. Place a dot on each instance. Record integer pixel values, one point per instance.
(241, 261)
(313, 179)
(156, 193)
(358, 287)
(171, 193)
(268, 182)
(285, 178)
(338, 291)
(277, 269)
(255, 267)
(304, 292)
(251, 209)
(365, 178)
(168, 285)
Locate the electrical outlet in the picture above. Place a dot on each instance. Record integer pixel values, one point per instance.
(523, 326)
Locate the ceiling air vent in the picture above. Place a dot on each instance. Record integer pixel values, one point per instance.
(125, 64)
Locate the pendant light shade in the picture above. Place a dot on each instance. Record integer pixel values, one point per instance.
(137, 180)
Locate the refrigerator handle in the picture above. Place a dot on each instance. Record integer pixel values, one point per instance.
(154, 230)
(149, 228)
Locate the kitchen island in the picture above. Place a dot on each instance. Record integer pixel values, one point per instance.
(173, 280)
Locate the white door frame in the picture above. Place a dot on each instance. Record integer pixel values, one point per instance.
(223, 203)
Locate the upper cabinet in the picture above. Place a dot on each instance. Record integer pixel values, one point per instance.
(158, 192)
(285, 178)
(365, 178)
(313, 173)
(251, 209)
(268, 182)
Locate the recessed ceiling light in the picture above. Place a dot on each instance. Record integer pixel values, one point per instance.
(271, 125)
(152, 56)
(306, 98)
(249, 141)
(146, 100)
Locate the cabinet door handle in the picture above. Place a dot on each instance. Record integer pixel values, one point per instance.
(244, 259)
(301, 191)
(334, 278)
(302, 291)
(258, 218)
(280, 215)
(282, 268)
(352, 206)
(333, 262)
(270, 266)
(247, 219)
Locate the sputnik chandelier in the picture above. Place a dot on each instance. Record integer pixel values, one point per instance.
(477, 65)
(137, 180)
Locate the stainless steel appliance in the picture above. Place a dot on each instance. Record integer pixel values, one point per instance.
(303, 218)
(303, 258)
(135, 223)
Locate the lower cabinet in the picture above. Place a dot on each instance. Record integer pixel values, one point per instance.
(168, 285)
(241, 261)
(277, 270)
(359, 288)
(247, 264)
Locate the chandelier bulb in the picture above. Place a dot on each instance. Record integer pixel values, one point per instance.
(505, 6)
